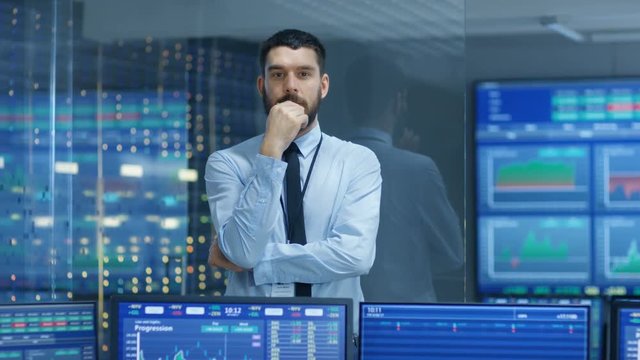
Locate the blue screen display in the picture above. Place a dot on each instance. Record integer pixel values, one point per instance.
(48, 331)
(558, 187)
(596, 327)
(415, 331)
(231, 330)
(628, 333)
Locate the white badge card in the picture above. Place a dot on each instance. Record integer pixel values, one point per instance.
(282, 290)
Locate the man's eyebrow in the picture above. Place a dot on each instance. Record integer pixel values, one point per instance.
(275, 67)
(280, 67)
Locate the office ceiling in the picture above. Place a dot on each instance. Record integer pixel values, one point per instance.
(444, 23)
(252, 19)
(505, 17)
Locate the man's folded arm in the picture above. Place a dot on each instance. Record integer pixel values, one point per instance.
(348, 250)
(244, 214)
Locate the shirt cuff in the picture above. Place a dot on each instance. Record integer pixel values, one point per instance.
(270, 167)
(263, 271)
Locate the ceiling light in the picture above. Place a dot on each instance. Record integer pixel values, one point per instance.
(551, 23)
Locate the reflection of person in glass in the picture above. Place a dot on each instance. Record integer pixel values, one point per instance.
(274, 246)
(419, 232)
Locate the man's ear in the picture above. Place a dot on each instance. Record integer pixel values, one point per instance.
(260, 85)
(324, 85)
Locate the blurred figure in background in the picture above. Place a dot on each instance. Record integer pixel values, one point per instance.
(419, 232)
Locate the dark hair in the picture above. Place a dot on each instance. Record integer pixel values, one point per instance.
(293, 39)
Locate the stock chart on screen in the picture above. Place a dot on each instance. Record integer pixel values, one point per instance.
(596, 316)
(231, 328)
(532, 248)
(618, 177)
(473, 331)
(625, 330)
(558, 187)
(60, 331)
(540, 177)
(617, 239)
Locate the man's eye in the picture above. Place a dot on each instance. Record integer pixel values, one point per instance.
(304, 74)
(276, 75)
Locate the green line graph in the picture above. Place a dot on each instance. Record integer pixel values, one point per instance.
(534, 249)
(631, 263)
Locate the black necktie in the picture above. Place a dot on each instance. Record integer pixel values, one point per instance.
(295, 211)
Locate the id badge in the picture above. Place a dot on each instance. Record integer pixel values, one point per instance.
(282, 290)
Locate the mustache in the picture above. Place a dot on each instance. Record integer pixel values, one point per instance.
(293, 97)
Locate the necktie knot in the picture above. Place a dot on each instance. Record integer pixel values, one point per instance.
(292, 149)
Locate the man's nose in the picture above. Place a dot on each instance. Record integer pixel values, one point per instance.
(291, 85)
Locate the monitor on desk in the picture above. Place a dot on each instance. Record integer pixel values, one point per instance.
(473, 331)
(625, 329)
(596, 317)
(184, 327)
(48, 331)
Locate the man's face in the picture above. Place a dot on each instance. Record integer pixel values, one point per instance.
(293, 75)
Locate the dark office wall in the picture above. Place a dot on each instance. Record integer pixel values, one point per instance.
(547, 56)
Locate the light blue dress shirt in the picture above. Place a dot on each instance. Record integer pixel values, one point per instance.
(341, 213)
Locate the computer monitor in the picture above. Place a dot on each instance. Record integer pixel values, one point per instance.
(596, 328)
(48, 331)
(624, 329)
(558, 187)
(473, 331)
(189, 327)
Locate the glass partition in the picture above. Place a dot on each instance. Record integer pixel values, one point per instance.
(554, 95)
(110, 110)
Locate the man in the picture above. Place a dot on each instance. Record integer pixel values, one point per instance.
(419, 232)
(283, 236)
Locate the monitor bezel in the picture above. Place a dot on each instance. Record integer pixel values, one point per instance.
(481, 305)
(115, 300)
(83, 302)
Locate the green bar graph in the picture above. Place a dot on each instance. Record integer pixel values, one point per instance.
(536, 173)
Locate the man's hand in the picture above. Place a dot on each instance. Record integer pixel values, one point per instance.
(217, 258)
(410, 140)
(284, 122)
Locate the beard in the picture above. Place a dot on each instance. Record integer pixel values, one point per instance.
(310, 110)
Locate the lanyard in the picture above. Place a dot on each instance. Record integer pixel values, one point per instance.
(304, 188)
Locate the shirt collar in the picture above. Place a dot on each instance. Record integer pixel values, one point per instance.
(373, 134)
(309, 141)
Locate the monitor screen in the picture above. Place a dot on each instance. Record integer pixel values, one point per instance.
(168, 327)
(596, 321)
(478, 331)
(625, 329)
(48, 331)
(558, 187)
